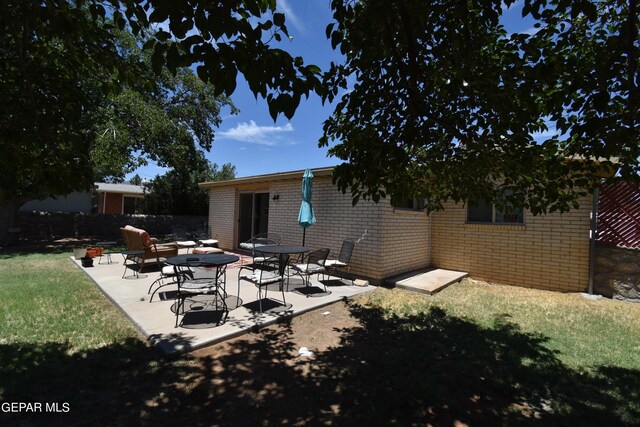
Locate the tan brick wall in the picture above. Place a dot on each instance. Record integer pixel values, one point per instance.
(222, 216)
(548, 252)
(407, 239)
(396, 241)
(336, 219)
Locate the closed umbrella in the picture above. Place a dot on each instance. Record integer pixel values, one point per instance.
(306, 218)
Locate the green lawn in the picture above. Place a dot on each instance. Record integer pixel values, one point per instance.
(475, 354)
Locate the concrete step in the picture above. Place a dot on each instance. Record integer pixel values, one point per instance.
(427, 281)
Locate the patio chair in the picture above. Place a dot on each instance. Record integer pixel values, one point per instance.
(136, 239)
(190, 284)
(262, 239)
(167, 277)
(344, 258)
(182, 238)
(263, 277)
(312, 263)
(259, 262)
(202, 238)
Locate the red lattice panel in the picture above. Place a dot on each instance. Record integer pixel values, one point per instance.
(619, 215)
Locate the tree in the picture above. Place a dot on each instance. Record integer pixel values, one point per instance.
(445, 100)
(177, 191)
(136, 180)
(50, 49)
(162, 117)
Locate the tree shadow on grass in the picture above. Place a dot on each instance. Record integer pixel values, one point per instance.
(415, 370)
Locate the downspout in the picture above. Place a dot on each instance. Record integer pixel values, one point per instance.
(593, 235)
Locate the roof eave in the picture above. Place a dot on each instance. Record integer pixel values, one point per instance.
(278, 176)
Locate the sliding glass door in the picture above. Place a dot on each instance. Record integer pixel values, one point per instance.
(253, 215)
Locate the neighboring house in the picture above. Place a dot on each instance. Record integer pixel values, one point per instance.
(76, 202)
(544, 252)
(105, 198)
(118, 198)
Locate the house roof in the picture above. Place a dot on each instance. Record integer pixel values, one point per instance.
(103, 187)
(266, 178)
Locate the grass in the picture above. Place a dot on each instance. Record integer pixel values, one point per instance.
(584, 333)
(474, 354)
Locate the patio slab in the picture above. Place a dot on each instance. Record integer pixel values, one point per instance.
(427, 281)
(156, 319)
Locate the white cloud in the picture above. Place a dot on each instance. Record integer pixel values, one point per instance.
(252, 133)
(545, 134)
(291, 17)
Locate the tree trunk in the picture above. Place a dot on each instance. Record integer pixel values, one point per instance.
(8, 211)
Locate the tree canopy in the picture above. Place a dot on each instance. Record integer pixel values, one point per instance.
(60, 58)
(177, 192)
(163, 118)
(445, 101)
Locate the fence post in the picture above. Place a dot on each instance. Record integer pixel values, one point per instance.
(593, 236)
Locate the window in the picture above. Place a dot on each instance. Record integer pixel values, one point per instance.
(485, 213)
(411, 204)
(132, 205)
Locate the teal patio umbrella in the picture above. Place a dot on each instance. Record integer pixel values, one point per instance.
(306, 218)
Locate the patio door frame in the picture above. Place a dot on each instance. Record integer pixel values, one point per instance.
(254, 214)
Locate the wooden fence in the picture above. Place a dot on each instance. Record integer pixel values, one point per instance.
(619, 216)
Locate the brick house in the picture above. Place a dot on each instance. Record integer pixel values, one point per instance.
(544, 252)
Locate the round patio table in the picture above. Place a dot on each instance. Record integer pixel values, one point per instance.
(203, 260)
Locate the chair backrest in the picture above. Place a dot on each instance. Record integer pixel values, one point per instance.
(346, 251)
(135, 239)
(274, 238)
(318, 256)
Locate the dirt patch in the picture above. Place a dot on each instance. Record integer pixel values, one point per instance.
(317, 330)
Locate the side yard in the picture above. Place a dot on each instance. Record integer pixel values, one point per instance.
(475, 354)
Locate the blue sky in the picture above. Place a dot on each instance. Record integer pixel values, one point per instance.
(252, 141)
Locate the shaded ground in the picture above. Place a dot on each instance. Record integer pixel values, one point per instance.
(427, 369)
(368, 368)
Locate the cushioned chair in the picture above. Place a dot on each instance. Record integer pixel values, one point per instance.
(344, 257)
(312, 263)
(191, 283)
(262, 239)
(154, 254)
(167, 277)
(265, 276)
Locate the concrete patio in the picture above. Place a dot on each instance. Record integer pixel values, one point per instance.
(156, 319)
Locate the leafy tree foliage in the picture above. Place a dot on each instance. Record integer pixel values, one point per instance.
(224, 38)
(162, 118)
(136, 180)
(445, 100)
(177, 191)
(60, 57)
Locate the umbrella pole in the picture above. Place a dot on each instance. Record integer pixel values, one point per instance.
(304, 234)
